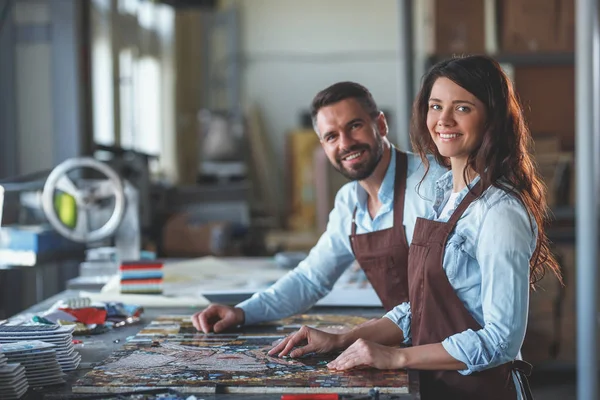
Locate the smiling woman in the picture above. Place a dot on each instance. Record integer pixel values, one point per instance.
(455, 121)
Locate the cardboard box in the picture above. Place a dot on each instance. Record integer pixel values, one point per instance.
(548, 97)
(459, 26)
(303, 210)
(537, 25)
(551, 337)
(547, 144)
(183, 236)
(277, 241)
(557, 171)
(567, 35)
(551, 325)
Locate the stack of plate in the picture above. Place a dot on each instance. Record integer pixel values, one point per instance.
(60, 336)
(13, 382)
(39, 360)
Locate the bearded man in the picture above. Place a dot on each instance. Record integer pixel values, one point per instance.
(372, 221)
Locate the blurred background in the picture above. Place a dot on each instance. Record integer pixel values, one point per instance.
(201, 106)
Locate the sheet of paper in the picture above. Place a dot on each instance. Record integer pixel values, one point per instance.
(195, 276)
(147, 300)
(111, 292)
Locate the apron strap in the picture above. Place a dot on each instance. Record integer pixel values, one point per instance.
(400, 189)
(472, 195)
(522, 366)
(399, 192)
(523, 370)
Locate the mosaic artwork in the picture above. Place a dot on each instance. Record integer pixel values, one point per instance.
(171, 325)
(169, 353)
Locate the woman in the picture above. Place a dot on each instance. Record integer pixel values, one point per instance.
(474, 260)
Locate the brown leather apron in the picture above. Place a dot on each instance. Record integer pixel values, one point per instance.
(383, 255)
(438, 313)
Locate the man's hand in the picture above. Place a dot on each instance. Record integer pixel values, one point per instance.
(371, 354)
(312, 341)
(218, 318)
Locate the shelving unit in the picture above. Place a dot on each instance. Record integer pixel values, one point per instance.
(545, 82)
(523, 59)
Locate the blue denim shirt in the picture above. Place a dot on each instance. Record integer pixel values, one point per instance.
(314, 277)
(487, 263)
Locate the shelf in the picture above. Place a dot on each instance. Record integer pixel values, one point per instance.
(522, 60)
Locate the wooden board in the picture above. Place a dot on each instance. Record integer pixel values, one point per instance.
(169, 353)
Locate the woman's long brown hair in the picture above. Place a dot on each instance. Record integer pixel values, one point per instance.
(503, 159)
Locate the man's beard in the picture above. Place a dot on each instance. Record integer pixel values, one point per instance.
(362, 170)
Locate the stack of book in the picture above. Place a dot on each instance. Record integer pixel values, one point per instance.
(13, 383)
(60, 338)
(39, 360)
(141, 277)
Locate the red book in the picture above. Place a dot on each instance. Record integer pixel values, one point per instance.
(126, 267)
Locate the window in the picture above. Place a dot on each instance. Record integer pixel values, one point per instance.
(148, 107)
(143, 72)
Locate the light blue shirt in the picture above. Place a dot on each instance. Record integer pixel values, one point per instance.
(487, 263)
(314, 277)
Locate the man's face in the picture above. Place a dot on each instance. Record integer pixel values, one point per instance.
(352, 140)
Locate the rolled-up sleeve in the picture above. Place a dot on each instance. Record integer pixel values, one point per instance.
(401, 316)
(505, 245)
(313, 278)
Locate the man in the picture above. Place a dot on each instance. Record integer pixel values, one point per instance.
(372, 220)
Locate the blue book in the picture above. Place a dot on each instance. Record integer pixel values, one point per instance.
(38, 239)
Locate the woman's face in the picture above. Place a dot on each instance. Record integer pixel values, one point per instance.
(455, 119)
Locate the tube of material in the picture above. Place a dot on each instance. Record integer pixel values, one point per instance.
(1, 203)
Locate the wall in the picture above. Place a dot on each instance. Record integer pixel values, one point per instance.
(33, 61)
(292, 49)
(42, 85)
(8, 139)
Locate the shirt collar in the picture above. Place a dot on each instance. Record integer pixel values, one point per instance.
(443, 188)
(386, 191)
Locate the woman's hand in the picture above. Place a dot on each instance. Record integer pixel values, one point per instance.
(370, 354)
(312, 341)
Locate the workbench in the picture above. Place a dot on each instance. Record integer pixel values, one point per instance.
(114, 339)
(24, 285)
